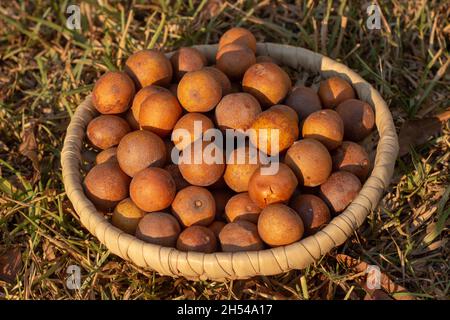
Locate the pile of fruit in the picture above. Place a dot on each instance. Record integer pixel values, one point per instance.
(227, 205)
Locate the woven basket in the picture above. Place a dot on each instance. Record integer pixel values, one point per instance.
(240, 265)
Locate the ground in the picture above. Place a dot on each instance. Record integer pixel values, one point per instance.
(46, 70)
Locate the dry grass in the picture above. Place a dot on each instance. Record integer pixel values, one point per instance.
(46, 70)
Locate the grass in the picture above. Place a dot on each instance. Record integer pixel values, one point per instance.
(46, 70)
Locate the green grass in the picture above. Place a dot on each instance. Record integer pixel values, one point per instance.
(46, 70)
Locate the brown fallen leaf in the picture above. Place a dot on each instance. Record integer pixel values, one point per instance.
(386, 283)
(211, 9)
(10, 263)
(49, 251)
(377, 294)
(417, 132)
(420, 216)
(429, 248)
(29, 148)
(188, 294)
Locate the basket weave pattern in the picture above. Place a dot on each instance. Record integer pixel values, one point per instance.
(240, 265)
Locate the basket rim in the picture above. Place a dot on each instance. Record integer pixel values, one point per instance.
(348, 220)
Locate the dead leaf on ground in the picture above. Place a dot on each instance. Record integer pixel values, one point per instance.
(377, 295)
(188, 294)
(386, 283)
(211, 9)
(417, 132)
(49, 251)
(29, 148)
(420, 216)
(10, 263)
(435, 229)
(429, 248)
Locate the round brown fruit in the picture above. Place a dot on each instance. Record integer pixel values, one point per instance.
(339, 190)
(199, 91)
(109, 154)
(106, 131)
(234, 60)
(159, 113)
(106, 184)
(241, 207)
(149, 67)
(206, 172)
(267, 82)
(325, 126)
(182, 138)
(310, 161)
(139, 150)
(304, 101)
(290, 112)
(221, 78)
(152, 189)
(239, 36)
(126, 216)
(353, 158)
(197, 239)
(279, 225)
(174, 171)
(265, 189)
(143, 94)
(113, 93)
(187, 59)
(267, 125)
(335, 90)
(237, 175)
(358, 118)
(158, 228)
(237, 111)
(313, 212)
(216, 227)
(194, 206)
(240, 236)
